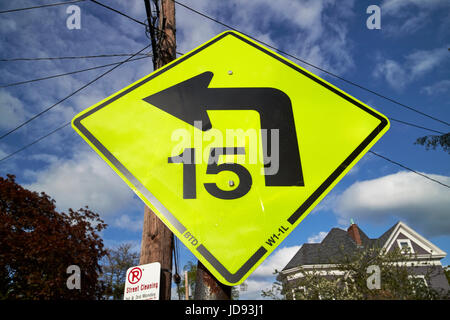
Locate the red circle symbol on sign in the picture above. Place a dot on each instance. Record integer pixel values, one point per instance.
(135, 275)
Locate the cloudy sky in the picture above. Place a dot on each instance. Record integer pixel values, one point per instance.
(407, 59)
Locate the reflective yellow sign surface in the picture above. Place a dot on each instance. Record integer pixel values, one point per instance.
(231, 145)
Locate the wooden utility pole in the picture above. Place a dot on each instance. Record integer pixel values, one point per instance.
(157, 239)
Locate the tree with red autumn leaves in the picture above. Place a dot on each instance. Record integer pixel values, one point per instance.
(38, 244)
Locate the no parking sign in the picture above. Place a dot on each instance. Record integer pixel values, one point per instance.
(142, 282)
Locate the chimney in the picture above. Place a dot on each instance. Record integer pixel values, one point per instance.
(353, 232)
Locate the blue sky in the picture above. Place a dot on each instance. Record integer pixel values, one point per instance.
(407, 59)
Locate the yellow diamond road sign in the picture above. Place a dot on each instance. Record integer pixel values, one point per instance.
(231, 145)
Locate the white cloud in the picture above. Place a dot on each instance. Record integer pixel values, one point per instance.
(317, 238)
(392, 72)
(192, 29)
(321, 36)
(254, 289)
(114, 244)
(8, 24)
(7, 167)
(317, 28)
(414, 66)
(408, 26)
(408, 16)
(45, 157)
(396, 6)
(43, 33)
(83, 180)
(423, 204)
(12, 111)
(423, 61)
(263, 277)
(2, 154)
(354, 170)
(439, 87)
(326, 204)
(277, 260)
(316, 38)
(129, 223)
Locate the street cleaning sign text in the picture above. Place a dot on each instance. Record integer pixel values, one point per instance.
(142, 282)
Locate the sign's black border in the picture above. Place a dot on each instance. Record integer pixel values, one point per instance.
(230, 277)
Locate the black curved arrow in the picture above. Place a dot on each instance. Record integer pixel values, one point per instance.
(189, 100)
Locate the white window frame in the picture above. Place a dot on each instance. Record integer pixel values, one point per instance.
(301, 288)
(400, 241)
(419, 276)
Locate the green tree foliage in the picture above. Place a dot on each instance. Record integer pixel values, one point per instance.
(349, 280)
(115, 265)
(38, 244)
(434, 141)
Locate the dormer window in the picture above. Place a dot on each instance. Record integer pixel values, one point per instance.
(405, 245)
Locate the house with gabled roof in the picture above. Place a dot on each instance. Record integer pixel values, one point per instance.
(340, 243)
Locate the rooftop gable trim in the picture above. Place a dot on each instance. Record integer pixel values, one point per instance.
(413, 235)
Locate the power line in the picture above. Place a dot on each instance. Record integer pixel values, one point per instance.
(42, 6)
(70, 95)
(415, 125)
(412, 170)
(119, 12)
(230, 27)
(129, 59)
(129, 17)
(73, 57)
(34, 142)
(372, 152)
(23, 82)
(68, 73)
(147, 56)
(74, 1)
(316, 67)
(221, 23)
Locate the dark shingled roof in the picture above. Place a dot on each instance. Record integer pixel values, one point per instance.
(333, 248)
(385, 236)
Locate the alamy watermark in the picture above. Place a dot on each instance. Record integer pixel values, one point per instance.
(374, 280)
(73, 21)
(374, 20)
(74, 280)
(265, 152)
